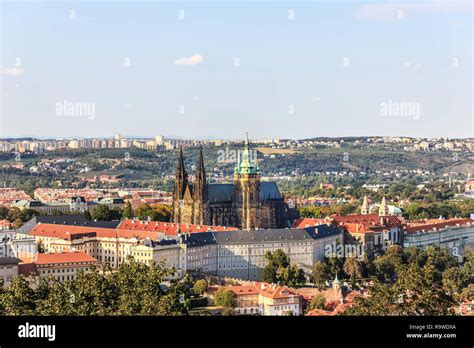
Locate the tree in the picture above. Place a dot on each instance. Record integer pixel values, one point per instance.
(454, 280)
(335, 265)
(290, 276)
(468, 265)
(101, 213)
(320, 274)
(176, 301)
(318, 302)
(225, 298)
(279, 270)
(144, 211)
(95, 293)
(158, 212)
(139, 289)
(54, 298)
(132, 289)
(87, 215)
(162, 212)
(127, 211)
(200, 286)
(353, 269)
(415, 292)
(19, 298)
(385, 268)
(275, 260)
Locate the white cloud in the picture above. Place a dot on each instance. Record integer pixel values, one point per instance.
(393, 10)
(195, 59)
(196, 98)
(12, 71)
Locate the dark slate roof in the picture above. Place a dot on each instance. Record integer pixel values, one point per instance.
(258, 236)
(72, 219)
(220, 192)
(275, 235)
(225, 192)
(269, 190)
(102, 224)
(198, 239)
(9, 261)
(164, 242)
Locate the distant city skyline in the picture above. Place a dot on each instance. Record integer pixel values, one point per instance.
(216, 69)
(223, 138)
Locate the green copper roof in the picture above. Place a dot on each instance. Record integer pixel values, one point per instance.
(247, 165)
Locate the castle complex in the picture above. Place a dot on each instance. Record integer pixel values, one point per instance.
(246, 203)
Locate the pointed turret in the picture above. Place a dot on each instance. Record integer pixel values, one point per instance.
(246, 165)
(364, 210)
(383, 210)
(336, 283)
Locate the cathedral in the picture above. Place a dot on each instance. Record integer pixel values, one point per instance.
(247, 203)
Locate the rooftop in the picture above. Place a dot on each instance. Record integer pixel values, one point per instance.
(64, 257)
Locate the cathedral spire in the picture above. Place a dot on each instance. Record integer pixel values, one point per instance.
(200, 189)
(181, 180)
(201, 171)
(247, 165)
(180, 160)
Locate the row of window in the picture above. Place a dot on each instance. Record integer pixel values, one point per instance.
(63, 270)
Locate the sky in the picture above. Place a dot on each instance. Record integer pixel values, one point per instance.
(216, 69)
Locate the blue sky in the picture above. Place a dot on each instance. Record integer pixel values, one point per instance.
(305, 69)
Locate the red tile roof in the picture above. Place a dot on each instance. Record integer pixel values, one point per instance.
(250, 289)
(368, 220)
(127, 229)
(168, 228)
(264, 289)
(70, 232)
(65, 257)
(434, 225)
(5, 223)
(307, 222)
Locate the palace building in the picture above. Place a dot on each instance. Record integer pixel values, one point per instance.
(246, 203)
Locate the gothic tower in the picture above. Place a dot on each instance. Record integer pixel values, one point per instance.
(383, 210)
(181, 187)
(247, 189)
(200, 193)
(364, 210)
